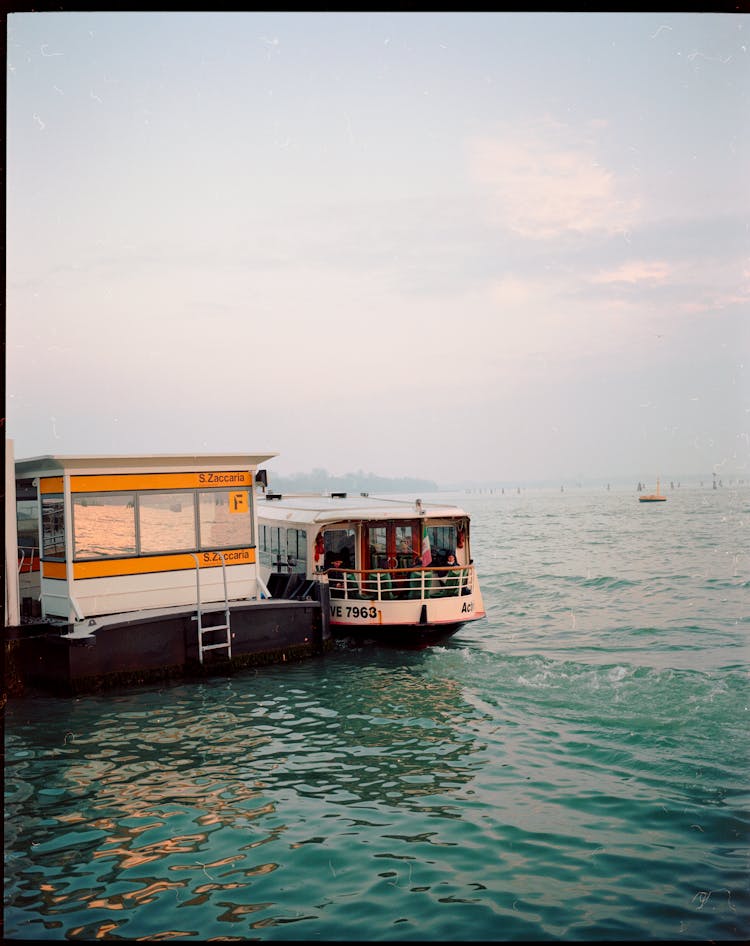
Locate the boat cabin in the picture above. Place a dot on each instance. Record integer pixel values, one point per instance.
(388, 563)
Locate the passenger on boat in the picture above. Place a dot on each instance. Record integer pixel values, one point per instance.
(407, 557)
(340, 583)
(334, 572)
(450, 580)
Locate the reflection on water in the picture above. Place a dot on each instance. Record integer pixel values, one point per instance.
(551, 772)
(142, 786)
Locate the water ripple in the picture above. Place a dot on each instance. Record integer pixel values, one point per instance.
(574, 766)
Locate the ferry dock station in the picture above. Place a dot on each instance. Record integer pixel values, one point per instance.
(123, 570)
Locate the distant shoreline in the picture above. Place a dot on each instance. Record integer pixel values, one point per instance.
(322, 481)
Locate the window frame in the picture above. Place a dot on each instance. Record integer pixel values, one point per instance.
(186, 496)
(176, 550)
(216, 492)
(75, 501)
(54, 556)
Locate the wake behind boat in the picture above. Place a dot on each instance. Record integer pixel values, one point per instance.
(394, 568)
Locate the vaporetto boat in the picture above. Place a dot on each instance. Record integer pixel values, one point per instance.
(394, 567)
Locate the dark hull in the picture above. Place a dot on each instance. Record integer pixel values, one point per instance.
(144, 648)
(396, 634)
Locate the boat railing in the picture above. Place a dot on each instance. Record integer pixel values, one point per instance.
(397, 584)
(28, 559)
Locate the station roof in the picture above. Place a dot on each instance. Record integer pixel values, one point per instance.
(148, 463)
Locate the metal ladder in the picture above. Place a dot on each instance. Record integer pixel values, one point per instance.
(226, 626)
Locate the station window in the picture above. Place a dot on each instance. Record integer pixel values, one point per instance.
(27, 517)
(225, 519)
(166, 522)
(53, 527)
(103, 525)
(111, 525)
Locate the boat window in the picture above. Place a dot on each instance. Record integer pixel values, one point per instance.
(378, 547)
(225, 519)
(278, 544)
(103, 525)
(406, 544)
(340, 541)
(296, 547)
(53, 527)
(271, 541)
(166, 522)
(442, 541)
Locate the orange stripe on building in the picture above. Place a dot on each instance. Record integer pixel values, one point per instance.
(108, 568)
(51, 484)
(54, 570)
(106, 482)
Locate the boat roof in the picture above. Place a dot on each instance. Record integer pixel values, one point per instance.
(338, 507)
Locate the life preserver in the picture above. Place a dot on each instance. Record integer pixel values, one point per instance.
(320, 547)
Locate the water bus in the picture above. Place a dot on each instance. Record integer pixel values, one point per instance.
(394, 568)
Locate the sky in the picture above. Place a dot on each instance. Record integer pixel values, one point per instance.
(462, 246)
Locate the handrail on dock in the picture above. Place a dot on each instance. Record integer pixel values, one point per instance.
(226, 627)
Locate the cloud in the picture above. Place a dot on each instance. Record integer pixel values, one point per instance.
(637, 271)
(687, 286)
(542, 189)
(511, 292)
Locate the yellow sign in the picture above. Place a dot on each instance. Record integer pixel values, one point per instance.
(238, 502)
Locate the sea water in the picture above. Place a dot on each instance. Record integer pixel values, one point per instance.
(573, 766)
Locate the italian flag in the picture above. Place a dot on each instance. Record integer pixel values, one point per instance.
(426, 550)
